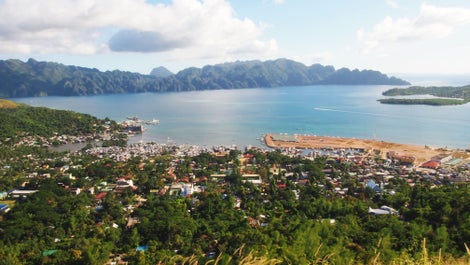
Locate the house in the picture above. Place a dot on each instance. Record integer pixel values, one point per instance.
(21, 193)
(442, 158)
(372, 185)
(67, 175)
(433, 164)
(303, 182)
(125, 183)
(382, 210)
(182, 189)
(253, 178)
(4, 208)
(173, 189)
(401, 158)
(75, 191)
(218, 177)
(100, 196)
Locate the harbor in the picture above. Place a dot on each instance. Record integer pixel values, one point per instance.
(133, 124)
(420, 153)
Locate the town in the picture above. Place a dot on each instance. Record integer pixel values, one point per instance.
(119, 181)
(367, 168)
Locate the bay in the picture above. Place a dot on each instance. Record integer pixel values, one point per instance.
(242, 116)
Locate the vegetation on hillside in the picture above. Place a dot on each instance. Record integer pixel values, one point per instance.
(24, 120)
(448, 95)
(274, 226)
(34, 78)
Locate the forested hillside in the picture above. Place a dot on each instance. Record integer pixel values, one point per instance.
(18, 120)
(33, 78)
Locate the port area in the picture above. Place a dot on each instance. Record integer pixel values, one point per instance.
(418, 153)
(133, 124)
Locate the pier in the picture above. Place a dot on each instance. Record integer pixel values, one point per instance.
(135, 125)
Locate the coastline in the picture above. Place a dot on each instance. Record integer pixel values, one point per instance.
(242, 122)
(421, 153)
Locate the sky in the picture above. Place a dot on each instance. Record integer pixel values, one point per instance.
(391, 36)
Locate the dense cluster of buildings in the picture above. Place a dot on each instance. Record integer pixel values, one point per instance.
(366, 168)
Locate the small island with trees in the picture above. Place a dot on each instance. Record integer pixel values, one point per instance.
(446, 95)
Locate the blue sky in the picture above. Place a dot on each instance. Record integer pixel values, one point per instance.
(392, 36)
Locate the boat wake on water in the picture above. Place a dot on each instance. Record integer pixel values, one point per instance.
(355, 112)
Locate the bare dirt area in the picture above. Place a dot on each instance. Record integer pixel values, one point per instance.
(421, 153)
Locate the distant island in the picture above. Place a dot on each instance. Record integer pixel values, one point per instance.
(35, 79)
(447, 95)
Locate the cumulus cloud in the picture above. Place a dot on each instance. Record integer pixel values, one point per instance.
(431, 23)
(89, 27)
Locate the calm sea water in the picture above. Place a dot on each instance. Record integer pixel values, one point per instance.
(242, 116)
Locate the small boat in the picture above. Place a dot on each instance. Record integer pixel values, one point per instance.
(132, 118)
(154, 121)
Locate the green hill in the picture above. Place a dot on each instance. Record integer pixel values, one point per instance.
(25, 120)
(33, 78)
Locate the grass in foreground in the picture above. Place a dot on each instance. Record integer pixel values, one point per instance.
(423, 258)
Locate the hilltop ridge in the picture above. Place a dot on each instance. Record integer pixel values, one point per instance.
(35, 78)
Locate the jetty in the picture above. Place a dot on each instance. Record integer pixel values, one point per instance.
(133, 124)
(134, 119)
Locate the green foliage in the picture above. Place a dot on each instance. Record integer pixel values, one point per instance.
(53, 219)
(45, 122)
(462, 92)
(117, 140)
(423, 101)
(35, 78)
(448, 95)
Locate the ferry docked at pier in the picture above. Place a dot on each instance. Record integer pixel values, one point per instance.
(135, 125)
(137, 120)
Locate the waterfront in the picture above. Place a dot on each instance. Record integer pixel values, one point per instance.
(242, 116)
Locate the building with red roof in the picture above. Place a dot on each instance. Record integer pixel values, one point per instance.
(432, 164)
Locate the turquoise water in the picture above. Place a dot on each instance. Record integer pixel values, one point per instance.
(241, 116)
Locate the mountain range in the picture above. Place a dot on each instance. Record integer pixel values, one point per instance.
(34, 78)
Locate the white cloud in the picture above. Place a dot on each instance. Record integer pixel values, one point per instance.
(209, 27)
(392, 3)
(432, 22)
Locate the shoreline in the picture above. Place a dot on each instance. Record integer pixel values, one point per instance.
(421, 153)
